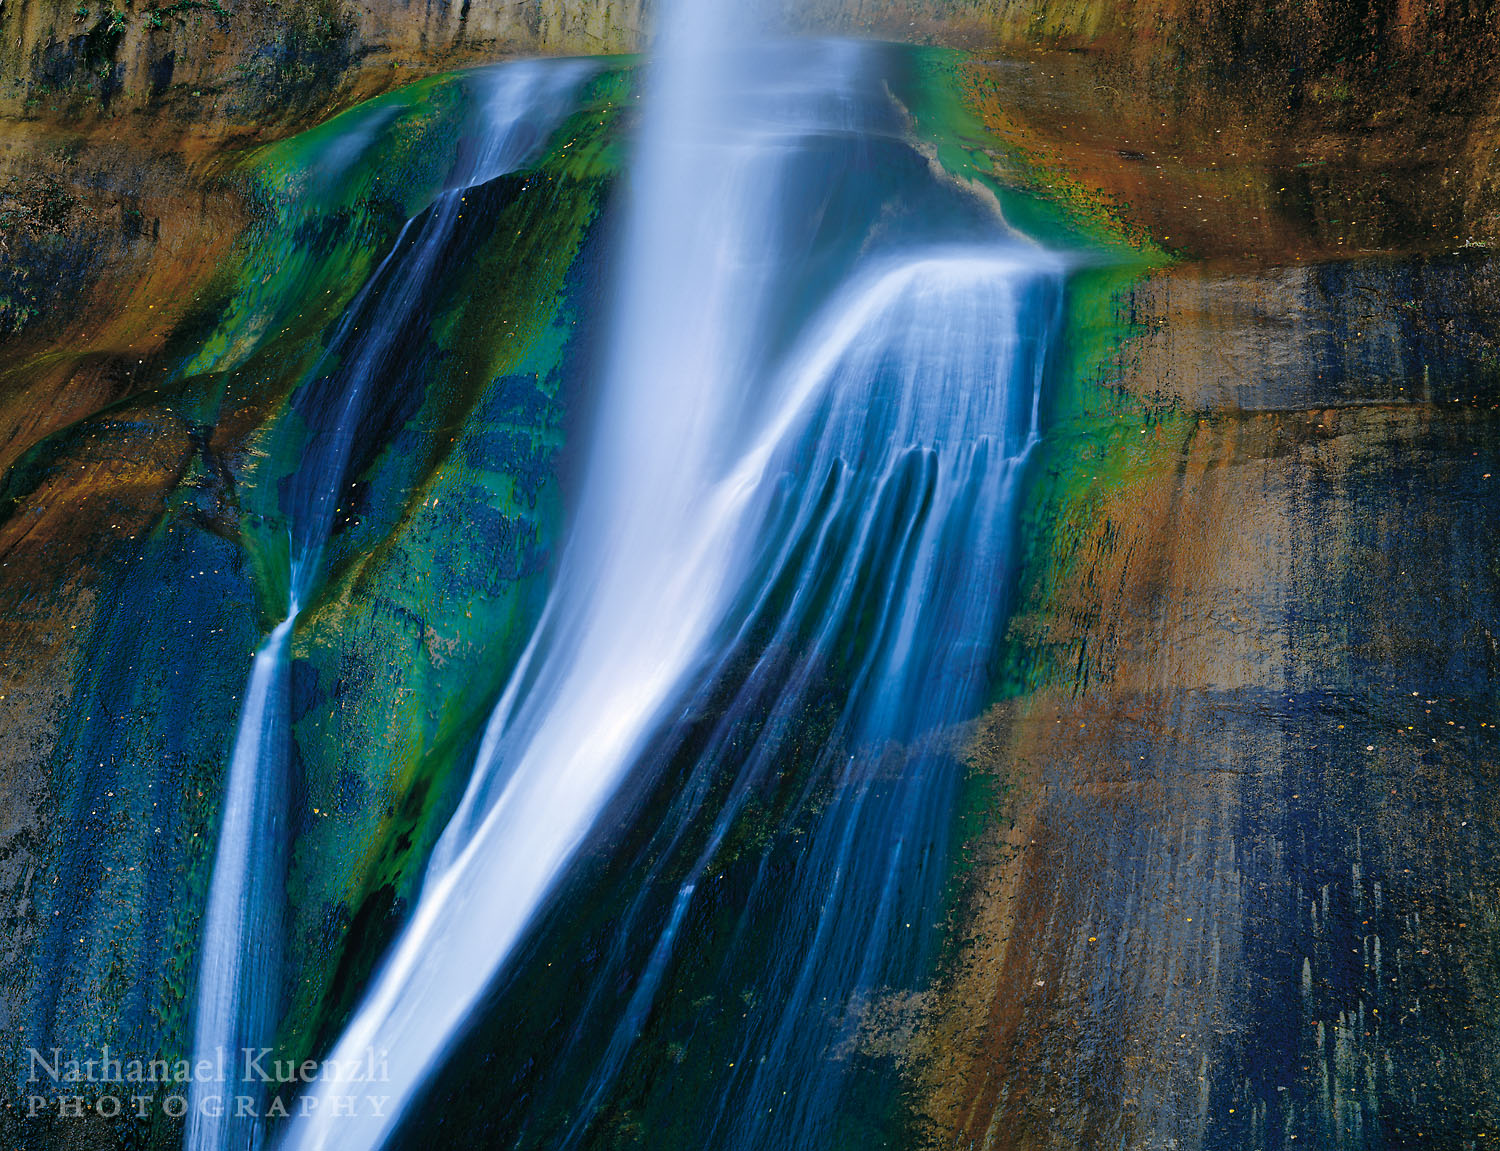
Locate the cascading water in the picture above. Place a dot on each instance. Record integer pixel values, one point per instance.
(516, 107)
(884, 569)
(771, 504)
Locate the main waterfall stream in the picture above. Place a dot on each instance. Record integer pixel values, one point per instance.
(782, 584)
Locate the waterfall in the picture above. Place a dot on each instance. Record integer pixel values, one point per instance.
(517, 107)
(240, 955)
(844, 480)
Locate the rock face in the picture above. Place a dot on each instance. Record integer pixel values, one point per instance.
(1236, 897)
(262, 62)
(1227, 891)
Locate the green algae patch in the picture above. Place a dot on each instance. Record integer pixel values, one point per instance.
(330, 201)
(439, 563)
(958, 109)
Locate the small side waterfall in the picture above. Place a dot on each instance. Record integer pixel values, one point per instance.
(843, 485)
(241, 952)
(517, 107)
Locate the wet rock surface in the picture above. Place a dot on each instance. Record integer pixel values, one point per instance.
(1233, 888)
(1239, 891)
(138, 575)
(1248, 894)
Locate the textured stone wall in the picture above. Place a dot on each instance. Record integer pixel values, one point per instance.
(261, 61)
(265, 61)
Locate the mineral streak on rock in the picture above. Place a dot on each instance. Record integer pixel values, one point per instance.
(1240, 890)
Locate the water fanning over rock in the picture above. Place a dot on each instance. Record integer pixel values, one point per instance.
(517, 107)
(884, 570)
(796, 492)
(240, 959)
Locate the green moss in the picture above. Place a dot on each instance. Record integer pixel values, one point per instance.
(325, 217)
(441, 567)
(157, 17)
(947, 98)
